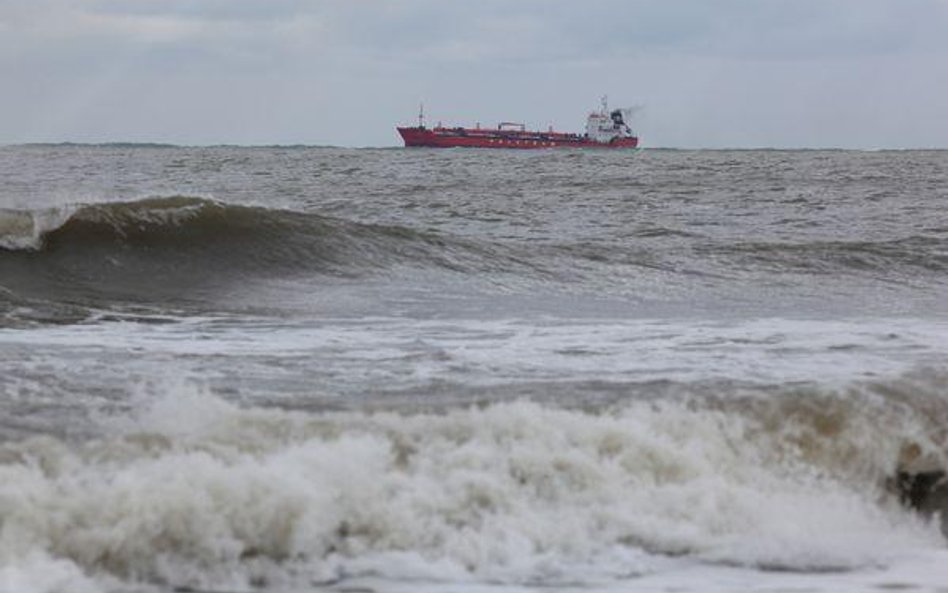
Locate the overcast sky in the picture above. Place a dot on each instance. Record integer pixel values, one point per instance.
(706, 73)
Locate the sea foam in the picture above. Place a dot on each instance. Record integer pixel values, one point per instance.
(25, 229)
(197, 492)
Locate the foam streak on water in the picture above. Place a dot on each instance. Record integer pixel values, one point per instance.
(294, 369)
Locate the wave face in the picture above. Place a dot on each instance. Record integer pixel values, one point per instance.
(169, 231)
(195, 492)
(177, 248)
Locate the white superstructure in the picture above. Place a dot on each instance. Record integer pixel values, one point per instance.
(605, 126)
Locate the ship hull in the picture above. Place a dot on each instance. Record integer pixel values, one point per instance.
(479, 138)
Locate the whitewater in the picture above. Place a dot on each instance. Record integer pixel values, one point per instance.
(289, 369)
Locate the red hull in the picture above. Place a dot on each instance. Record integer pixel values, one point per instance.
(480, 138)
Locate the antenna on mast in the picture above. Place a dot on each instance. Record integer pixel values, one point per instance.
(605, 104)
(421, 115)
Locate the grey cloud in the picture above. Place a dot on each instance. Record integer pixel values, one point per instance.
(304, 71)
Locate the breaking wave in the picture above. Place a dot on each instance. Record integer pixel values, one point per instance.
(196, 492)
(166, 247)
(192, 227)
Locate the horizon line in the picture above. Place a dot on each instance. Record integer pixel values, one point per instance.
(297, 145)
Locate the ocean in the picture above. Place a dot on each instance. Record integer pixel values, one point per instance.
(297, 369)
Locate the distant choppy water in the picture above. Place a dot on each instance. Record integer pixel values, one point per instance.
(317, 369)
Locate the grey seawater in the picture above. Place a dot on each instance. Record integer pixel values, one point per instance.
(293, 368)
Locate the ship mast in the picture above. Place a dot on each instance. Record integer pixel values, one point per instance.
(421, 115)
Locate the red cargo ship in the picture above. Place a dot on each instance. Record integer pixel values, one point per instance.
(604, 129)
